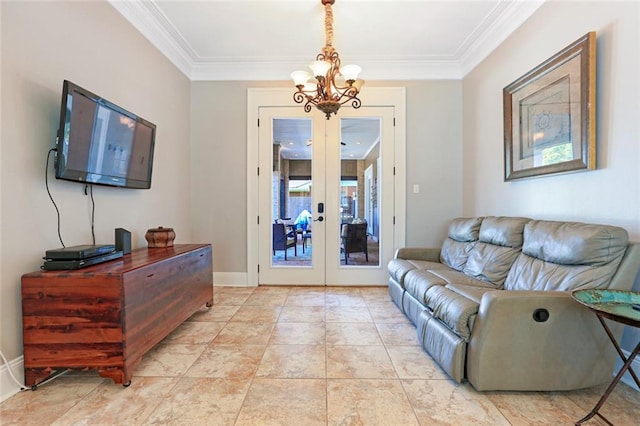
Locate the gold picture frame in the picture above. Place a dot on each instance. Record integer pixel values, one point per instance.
(549, 114)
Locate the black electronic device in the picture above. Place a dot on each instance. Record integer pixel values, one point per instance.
(58, 265)
(101, 143)
(80, 252)
(123, 240)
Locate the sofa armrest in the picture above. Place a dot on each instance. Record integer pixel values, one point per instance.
(537, 340)
(415, 253)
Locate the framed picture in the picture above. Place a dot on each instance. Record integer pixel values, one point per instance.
(549, 114)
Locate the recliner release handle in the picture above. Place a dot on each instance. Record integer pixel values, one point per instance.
(540, 315)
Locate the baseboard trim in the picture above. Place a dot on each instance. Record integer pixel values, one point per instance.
(231, 279)
(8, 387)
(635, 365)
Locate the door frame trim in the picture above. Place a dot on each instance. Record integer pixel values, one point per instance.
(282, 97)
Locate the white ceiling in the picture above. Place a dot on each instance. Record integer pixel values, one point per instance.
(267, 39)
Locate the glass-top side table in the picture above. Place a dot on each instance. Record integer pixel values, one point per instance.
(618, 306)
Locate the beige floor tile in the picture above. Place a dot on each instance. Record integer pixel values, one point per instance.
(169, 360)
(302, 314)
(343, 290)
(293, 362)
(241, 333)
(398, 334)
(111, 404)
(285, 402)
(201, 401)
(340, 333)
(412, 362)
(444, 402)
(376, 295)
(257, 314)
(305, 298)
(231, 296)
(48, 402)
(194, 333)
(228, 361)
(275, 289)
(230, 289)
(217, 313)
(353, 300)
(348, 314)
(359, 362)
(387, 312)
(264, 299)
(538, 408)
(298, 333)
(368, 402)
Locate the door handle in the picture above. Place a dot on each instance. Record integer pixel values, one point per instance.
(319, 219)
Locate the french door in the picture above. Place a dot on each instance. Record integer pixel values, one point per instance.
(325, 196)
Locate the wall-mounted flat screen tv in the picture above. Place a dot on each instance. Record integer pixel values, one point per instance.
(102, 143)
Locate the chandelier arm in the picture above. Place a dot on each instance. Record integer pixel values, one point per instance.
(307, 106)
(348, 95)
(356, 103)
(299, 97)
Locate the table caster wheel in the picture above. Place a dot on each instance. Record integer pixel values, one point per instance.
(127, 384)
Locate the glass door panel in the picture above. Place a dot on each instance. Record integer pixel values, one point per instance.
(290, 251)
(359, 179)
(291, 190)
(359, 155)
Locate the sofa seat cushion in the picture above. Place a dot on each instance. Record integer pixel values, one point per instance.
(472, 292)
(455, 310)
(454, 277)
(398, 268)
(565, 256)
(418, 281)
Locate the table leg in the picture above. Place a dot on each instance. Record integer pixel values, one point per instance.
(625, 367)
(620, 353)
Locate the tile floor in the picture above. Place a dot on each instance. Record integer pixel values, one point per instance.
(298, 356)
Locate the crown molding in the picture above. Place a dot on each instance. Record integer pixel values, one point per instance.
(505, 18)
(149, 20)
(155, 27)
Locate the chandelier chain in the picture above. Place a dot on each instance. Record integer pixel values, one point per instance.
(328, 25)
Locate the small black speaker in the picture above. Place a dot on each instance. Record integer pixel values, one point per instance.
(123, 240)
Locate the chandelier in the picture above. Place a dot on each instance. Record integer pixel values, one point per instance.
(328, 86)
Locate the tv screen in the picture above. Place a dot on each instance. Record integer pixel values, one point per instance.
(101, 143)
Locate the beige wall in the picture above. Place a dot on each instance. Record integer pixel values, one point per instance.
(91, 44)
(610, 194)
(219, 161)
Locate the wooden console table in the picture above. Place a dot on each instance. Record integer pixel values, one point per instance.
(107, 316)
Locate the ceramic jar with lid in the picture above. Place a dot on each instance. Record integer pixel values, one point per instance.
(160, 237)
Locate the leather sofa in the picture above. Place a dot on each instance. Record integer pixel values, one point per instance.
(493, 304)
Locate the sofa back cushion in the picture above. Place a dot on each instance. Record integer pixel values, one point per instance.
(500, 241)
(462, 235)
(566, 256)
